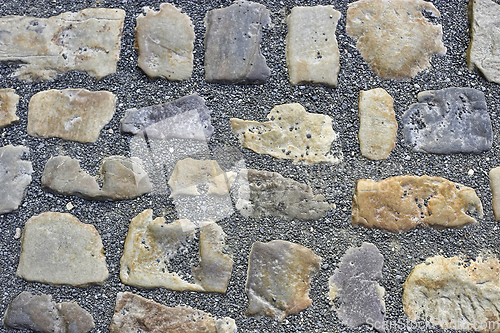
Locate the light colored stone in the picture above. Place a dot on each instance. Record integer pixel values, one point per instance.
(58, 249)
(88, 40)
(403, 202)
(123, 178)
(291, 133)
(8, 106)
(394, 37)
(455, 294)
(495, 191)
(377, 124)
(165, 41)
(312, 52)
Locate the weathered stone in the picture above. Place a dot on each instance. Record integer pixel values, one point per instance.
(165, 41)
(152, 244)
(403, 202)
(377, 124)
(495, 191)
(354, 283)
(134, 313)
(291, 133)
(484, 47)
(447, 121)
(15, 176)
(70, 114)
(455, 294)
(88, 40)
(312, 52)
(40, 314)
(278, 279)
(8, 106)
(58, 249)
(394, 36)
(232, 44)
(123, 178)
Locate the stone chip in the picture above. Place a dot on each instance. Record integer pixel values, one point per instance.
(8, 106)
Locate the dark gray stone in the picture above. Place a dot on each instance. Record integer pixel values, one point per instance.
(447, 121)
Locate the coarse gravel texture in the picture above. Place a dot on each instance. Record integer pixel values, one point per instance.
(328, 237)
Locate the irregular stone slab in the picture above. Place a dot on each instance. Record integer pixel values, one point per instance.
(40, 314)
(447, 121)
(123, 178)
(354, 283)
(403, 202)
(15, 176)
(88, 40)
(377, 124)
(312, 52)
(495, 191)
(58, 249)
(185, 118)
(165, 41)
(484, 50)
(152, 244)
(70, 114)
(455, 294)
(134, 313)
(394, 37)
(291, 133)
(232, 44)
(279, 277)
(8, 106)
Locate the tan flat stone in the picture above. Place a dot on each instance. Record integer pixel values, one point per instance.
(8, 106)
(495, 191)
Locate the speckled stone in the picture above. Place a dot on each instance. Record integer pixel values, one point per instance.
(8, 106)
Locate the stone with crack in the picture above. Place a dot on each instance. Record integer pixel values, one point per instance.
(402, 203)
(279, 277)
(291, 133)
(123, 178)
(495, 191)
(8, 105)
(394, 36)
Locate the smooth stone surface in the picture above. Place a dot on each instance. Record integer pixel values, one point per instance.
(484, 48)
(279, 277)
(447, 121)
(455, 294)
(291, 133)
(312, 52)
(354, 283)
(58, 249)
(40, 314)
(15, 176)
(123, 178)
(377, 124)
(59, 44)
(394, 36)
(403, 202)
(495, 191)
(165, 41)
(232, 44)
(134, 313)
(70, 114)
(8, 106)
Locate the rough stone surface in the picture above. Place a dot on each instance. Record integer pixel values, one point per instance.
(447, 121)
(123, 178)
(394, 37)
(40, 314)
(403, 202)
(8, 106)
(484, 47)
(377, 124)
(495, 191)
(15, 176)
(455, 294)
(58, 249)
(70, 114)
(312, 52)
(278, 279)
(165, 41)
(232, 44)
(291, 133)
(354, 282)
(59, 44)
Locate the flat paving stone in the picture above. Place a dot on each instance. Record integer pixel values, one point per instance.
(495, 191)
(8, 107)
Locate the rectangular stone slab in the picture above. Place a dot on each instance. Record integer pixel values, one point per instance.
(8, 107)
(495, 191)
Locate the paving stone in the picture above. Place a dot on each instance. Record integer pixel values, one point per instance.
(291, 133)
(70, 114)
(495, 190)
(232, 44)
(403, 202)
(447, 121)
(59, 44)
(312, 52)
(58, 249)
(123, 178)
(8, 106)
(278, 279)
(377, 124)
(394, 36)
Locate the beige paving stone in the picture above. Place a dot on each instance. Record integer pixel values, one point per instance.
(8, 107)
